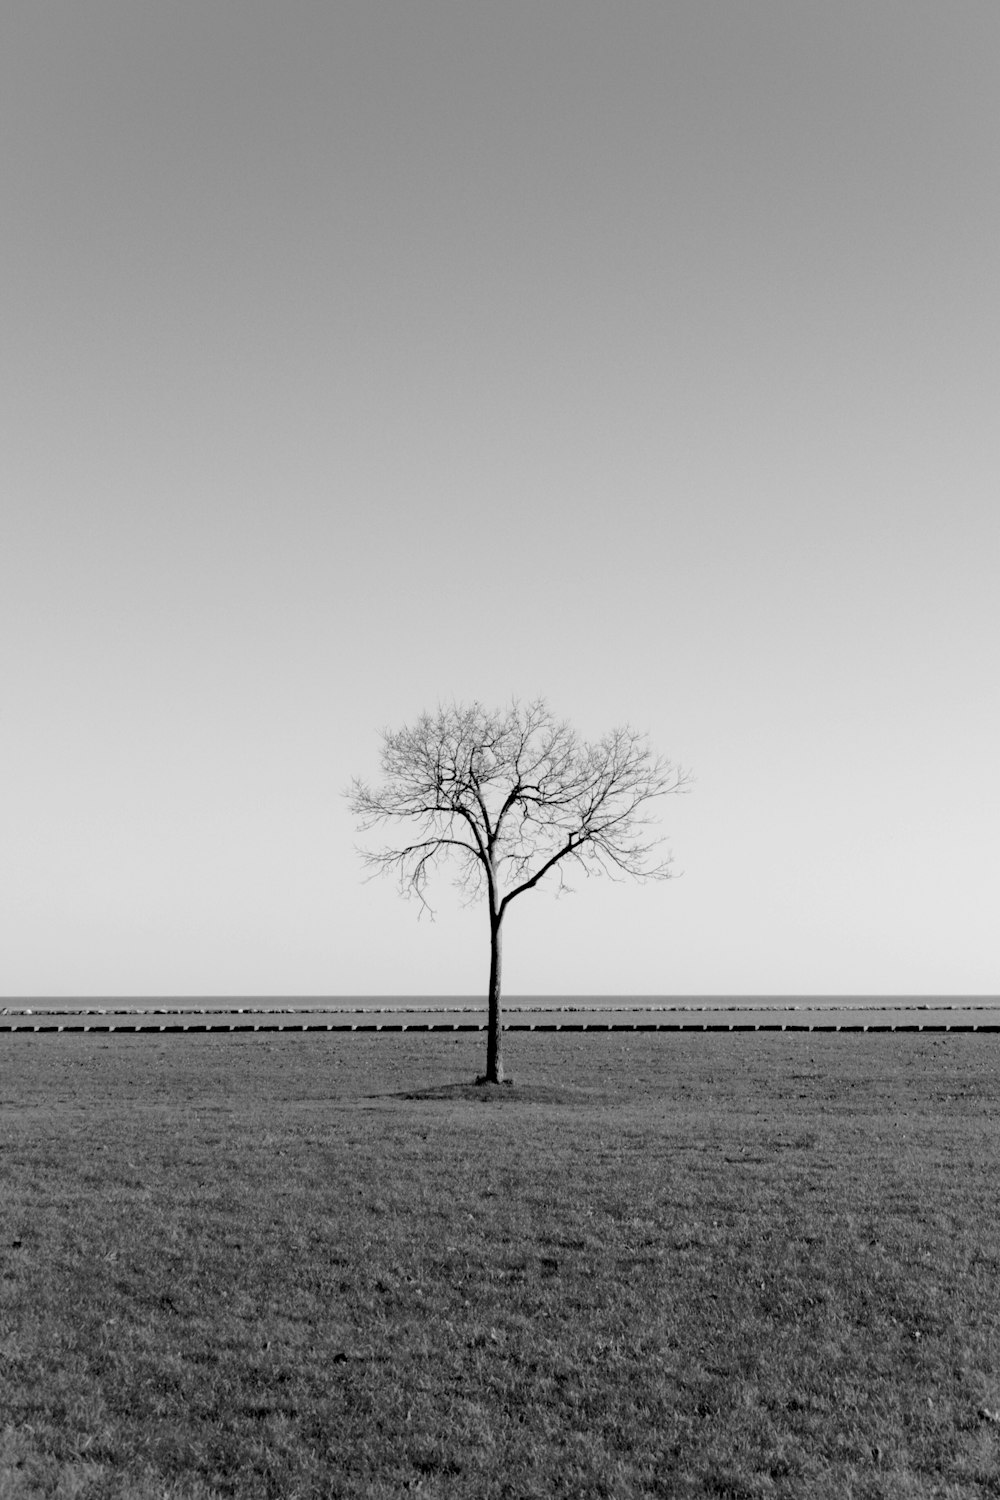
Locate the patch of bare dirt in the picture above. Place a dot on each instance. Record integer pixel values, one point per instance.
(504, 1093)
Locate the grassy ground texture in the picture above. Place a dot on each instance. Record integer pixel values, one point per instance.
(684, 1265)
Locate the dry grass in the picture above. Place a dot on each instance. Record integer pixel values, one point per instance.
(658, 1265)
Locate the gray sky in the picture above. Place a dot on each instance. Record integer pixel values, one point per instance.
(357, 356)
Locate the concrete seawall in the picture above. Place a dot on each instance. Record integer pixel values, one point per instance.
(804, 1018)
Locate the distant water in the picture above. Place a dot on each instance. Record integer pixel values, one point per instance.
(511, 1002)
(555, 1002)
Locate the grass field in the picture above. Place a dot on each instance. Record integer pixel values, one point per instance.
(658, 1265)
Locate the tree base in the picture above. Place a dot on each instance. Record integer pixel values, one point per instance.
(505, 1083)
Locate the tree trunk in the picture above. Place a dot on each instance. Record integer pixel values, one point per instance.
(494, 1034)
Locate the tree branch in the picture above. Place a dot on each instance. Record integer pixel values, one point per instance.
(528, 793)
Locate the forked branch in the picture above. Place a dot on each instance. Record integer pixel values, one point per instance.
(512, 795)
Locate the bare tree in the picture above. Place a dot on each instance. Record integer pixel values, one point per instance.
(511, 797)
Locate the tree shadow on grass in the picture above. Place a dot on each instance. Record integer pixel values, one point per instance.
(509, 1093)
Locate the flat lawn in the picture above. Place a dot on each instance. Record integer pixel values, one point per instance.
(675, 1265)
